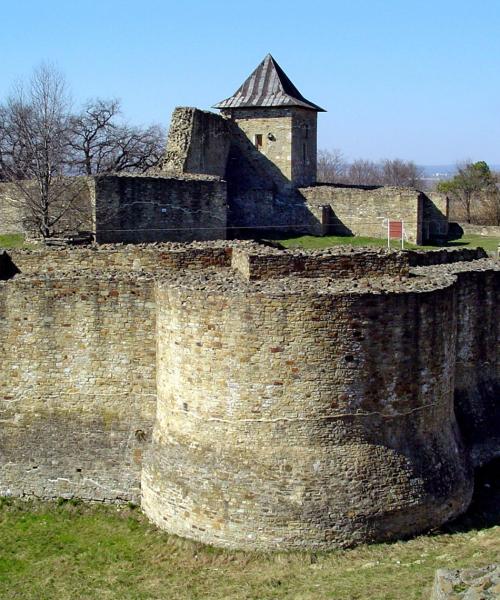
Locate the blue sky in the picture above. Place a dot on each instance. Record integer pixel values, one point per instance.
(415, 80)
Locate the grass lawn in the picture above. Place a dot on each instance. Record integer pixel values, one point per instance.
(12, 240)
(72, 551)
(308, 241)
(490, 244)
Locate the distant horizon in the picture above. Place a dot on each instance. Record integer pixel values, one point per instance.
(399, 80)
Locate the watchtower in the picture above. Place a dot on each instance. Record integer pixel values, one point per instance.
(278, 120)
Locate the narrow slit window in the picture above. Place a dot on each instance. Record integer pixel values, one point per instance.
(258, 141)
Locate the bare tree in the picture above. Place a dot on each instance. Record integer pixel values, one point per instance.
(364, 172)
(331, 166)
(102, 144)
(91, 130)
(34, 150)
(401, 173)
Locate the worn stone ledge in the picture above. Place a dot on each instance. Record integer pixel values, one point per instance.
(480, 583)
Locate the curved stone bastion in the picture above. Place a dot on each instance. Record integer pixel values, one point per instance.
(305, 413)
(252, 397)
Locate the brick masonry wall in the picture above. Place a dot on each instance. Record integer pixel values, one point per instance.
(265, 263)
(125, 258)
(477, 371)
(275, 127)
(363, 212)
(77, 385)
(292, 411)
(198, 142)
(155, 209)
(280, 427)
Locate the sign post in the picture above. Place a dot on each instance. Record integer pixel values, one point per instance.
(395, 230)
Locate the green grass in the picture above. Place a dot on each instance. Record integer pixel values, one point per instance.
(490, 244)
(308, 241)
(12, 240)
(73, 551)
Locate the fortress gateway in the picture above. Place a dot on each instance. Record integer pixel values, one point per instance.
(247, 396)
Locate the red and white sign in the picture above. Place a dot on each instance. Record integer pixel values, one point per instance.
(395, 230)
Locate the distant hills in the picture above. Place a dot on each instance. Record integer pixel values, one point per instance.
(445, 171)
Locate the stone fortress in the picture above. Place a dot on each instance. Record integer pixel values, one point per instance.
(252, 170)
(244, 395)
(248, 171)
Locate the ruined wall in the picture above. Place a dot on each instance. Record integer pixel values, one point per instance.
(305, 399)
(77, 385)
(435, 223)
(155, 209)
(198, 142)
(477, 370)
(125, 258)
(443, 256)
(260, 262)
(11, 215)
(364, 212)
(318, 436)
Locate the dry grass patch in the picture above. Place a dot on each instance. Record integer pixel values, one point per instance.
(73, 551)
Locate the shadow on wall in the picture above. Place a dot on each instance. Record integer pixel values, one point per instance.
(261, 200)
(455, 231)
(435, 226)
(7, 268)
(484, 510)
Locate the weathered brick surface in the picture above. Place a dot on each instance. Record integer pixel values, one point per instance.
(477, 368)
(77, 385)
(155, 209)
(306, 404)
(198, 142)
(481, 583)
(126, 258)
(325, 414)
(261, 262)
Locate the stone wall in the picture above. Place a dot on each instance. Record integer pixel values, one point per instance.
(304, 147)
(484, 230)
(281, 427)
(443, 256)
(145, 209)
(298, 399)
(77, 391)
(477, 370)
(286, 137)
(260, 262)
(364, 212)
(435, 223)
(198, 142)
(125, 258)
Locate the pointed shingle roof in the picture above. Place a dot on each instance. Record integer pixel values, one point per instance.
(267, 86)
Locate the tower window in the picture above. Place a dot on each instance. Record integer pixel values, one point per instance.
(258, 141)
(306, 131)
